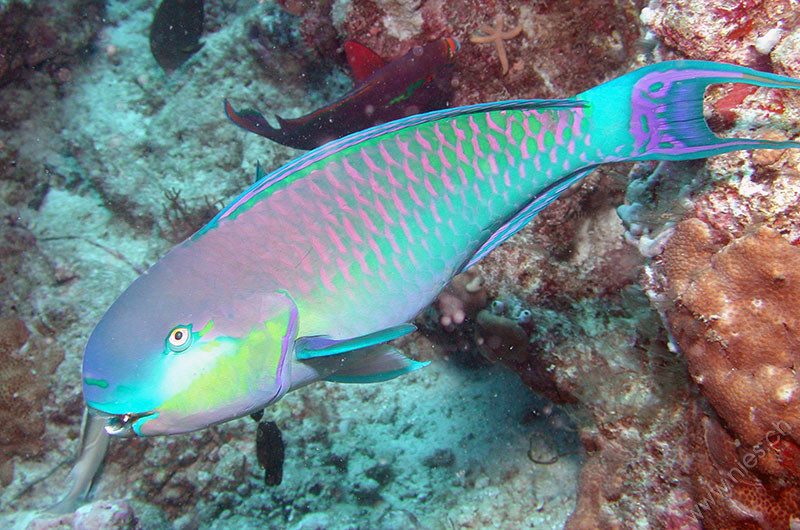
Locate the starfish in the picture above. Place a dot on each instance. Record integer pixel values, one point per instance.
(496, 35)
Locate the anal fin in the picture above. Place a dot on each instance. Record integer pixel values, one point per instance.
(524, 216)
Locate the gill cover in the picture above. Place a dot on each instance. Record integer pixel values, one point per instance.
(248, 373)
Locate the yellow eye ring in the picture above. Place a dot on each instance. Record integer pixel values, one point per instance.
(180, 338)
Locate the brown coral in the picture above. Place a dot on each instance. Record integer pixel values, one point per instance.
(602, 481)
(736, 318)
(727, 493)
(737, 322)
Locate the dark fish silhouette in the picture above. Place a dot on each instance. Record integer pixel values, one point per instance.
(175, 33)
(270, 452)
(414, 83)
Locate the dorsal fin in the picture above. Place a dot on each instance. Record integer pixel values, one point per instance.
(386, 128)
(363, 61)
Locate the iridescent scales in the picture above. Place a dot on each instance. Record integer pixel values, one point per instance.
(352, 239)
(395, 218)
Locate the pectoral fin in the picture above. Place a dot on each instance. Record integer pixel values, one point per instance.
(312, 347)
(387, 363)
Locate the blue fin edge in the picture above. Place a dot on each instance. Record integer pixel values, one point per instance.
(524, 216)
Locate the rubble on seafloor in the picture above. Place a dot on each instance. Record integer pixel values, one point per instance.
(105, 162)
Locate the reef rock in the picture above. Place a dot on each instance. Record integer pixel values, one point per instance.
(36, 33)
(563, 47)
(742, 32)
(727, 493)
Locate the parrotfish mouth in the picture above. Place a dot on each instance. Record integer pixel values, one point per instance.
(124, 425)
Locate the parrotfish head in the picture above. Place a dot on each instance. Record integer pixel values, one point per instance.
(175, 354)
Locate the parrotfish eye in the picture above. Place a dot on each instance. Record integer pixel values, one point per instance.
(180, 338)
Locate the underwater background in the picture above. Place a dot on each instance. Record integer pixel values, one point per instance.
(625, 361)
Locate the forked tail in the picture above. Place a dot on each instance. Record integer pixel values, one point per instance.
(663, 107)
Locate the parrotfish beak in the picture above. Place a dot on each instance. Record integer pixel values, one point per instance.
(124, 425)
(127, 410)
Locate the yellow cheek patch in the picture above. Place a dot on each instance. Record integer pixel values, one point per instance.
(239, 368)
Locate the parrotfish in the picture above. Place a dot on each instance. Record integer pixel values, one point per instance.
(310, 272)
(415, 82)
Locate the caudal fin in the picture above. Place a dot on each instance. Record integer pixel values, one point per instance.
(666, 109)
